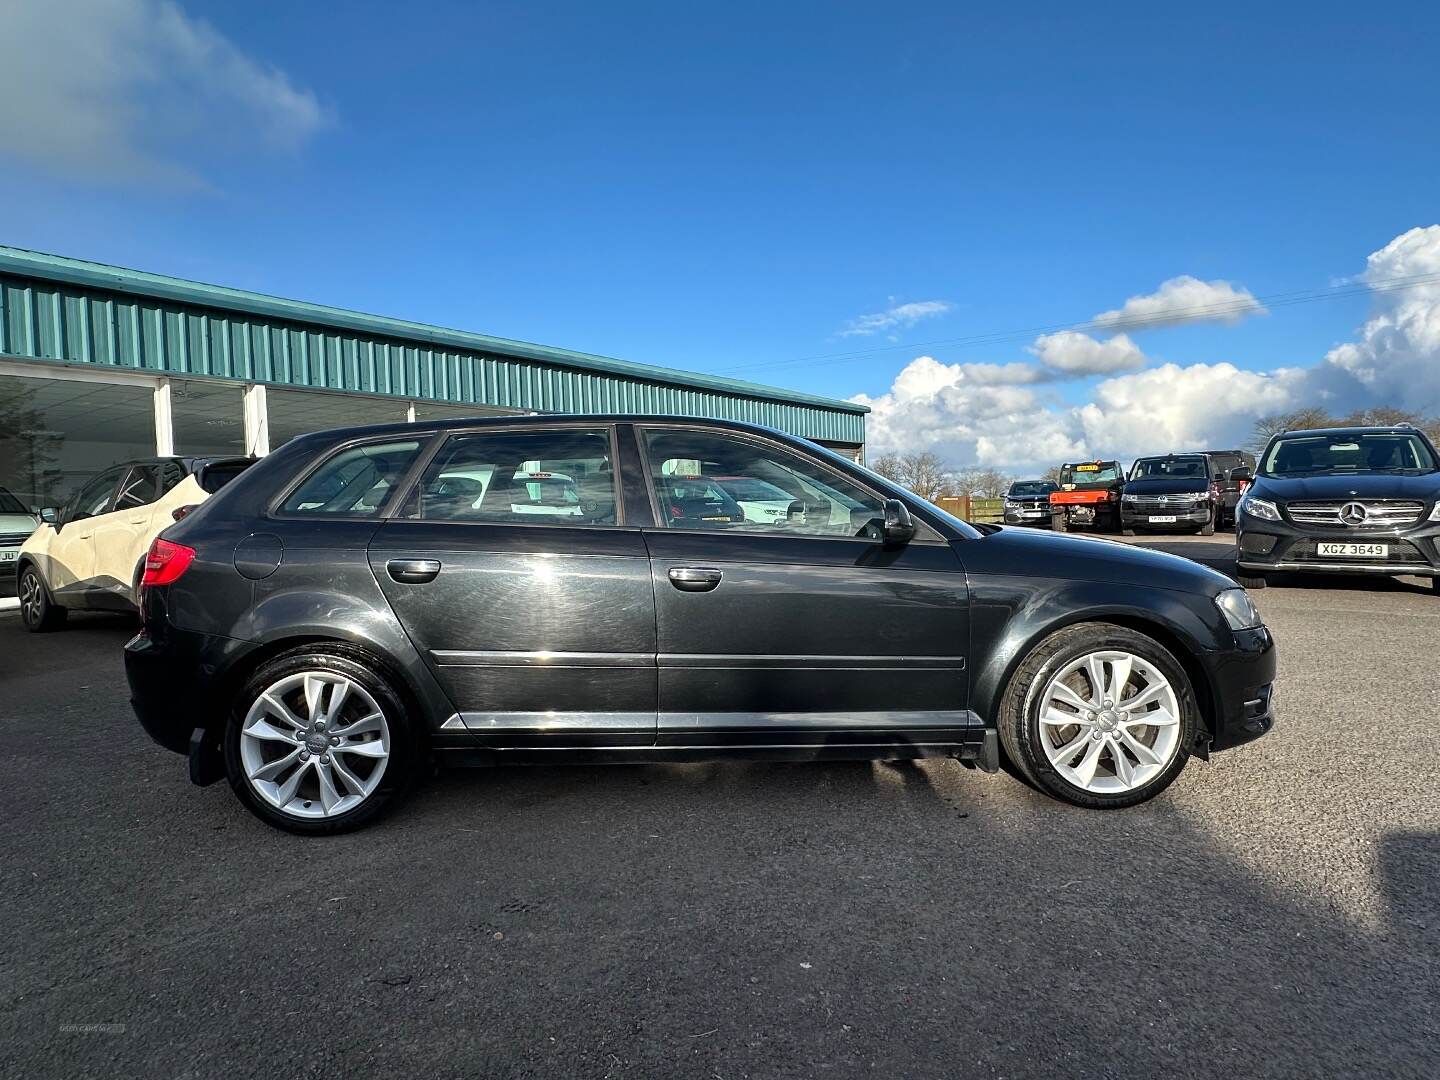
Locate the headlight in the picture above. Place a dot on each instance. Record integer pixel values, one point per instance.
(1129, 498)
(1435, 511)
(1239, 611)
(1259, 508)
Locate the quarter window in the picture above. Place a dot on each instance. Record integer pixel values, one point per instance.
(718, 482)
(355, 482)
(521, 478)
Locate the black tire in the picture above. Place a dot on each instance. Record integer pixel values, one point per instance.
(1248, 579)
(1126, 532)
(41, 614)
(1208, 529)
(406, 753)
(1058, 523)
(1019, 719)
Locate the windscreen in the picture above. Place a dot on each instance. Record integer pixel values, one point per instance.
(1186, 468)
(1089, 473)
(1031, 488)
(1310, 455)
(10, 505)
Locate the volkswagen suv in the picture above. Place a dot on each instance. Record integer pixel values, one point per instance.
(333, 619)
(1362, 500)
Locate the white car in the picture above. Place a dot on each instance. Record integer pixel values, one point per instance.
(759, 500)
(16, 525)
(93, 554)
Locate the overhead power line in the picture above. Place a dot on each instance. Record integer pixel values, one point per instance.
(1120, 324)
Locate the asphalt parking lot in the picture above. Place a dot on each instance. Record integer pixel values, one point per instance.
(1274, 914)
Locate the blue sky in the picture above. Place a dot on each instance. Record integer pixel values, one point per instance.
(730, 191)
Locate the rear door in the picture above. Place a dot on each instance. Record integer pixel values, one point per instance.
(121, 536)
(515, 575)
(802, 630)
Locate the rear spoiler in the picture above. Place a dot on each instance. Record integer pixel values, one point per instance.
(214, 473)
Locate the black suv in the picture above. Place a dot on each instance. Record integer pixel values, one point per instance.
(343, 613)
(1166, 492)
(1363, 500)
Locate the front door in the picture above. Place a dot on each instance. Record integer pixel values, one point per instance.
(70, 568)
(800, 629)
(514, 574)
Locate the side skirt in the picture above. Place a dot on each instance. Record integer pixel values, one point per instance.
(973, 747)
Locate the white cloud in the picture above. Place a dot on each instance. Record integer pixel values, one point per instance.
(110, 90)
(1074, 353)
(1003, 414)
(1396, 361)
(1183, 408)
(1183, 299)
(895, 317)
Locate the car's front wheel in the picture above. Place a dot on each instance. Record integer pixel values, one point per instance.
(319, 742)
(38, 611)
(1100, 716)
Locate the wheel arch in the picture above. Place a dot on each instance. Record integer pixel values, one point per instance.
(1023, 635)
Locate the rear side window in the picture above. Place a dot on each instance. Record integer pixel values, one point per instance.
(139, 487)
(355, 482)
(520, 478)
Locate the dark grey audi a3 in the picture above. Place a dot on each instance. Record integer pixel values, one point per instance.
(365, 603)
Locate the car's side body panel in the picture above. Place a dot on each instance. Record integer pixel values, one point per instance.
(539, 632)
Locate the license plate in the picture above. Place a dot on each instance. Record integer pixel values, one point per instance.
(8, 555)
(1163, 519)
(1355, 551)
(1037, 513)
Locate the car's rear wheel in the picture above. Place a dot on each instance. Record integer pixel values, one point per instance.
(1099, 716)
(1251, 580)
(319, 742)
(38, 611)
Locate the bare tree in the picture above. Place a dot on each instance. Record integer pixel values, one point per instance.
(1296, 420)
(1052, 474)
(991, 484)
(923, 473)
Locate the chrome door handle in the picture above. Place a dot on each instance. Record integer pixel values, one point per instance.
(695, 578)
(413, 571)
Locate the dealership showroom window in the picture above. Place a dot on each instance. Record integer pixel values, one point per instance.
(59, 428)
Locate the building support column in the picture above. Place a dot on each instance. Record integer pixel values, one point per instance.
(257, 421)
(164, 420)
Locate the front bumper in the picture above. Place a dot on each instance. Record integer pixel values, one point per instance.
(1242, 684)
(1028, 515)
(1280, 546)
(1138, 517)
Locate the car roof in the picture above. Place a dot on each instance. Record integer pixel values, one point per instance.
(1360, 429)
(481, 423)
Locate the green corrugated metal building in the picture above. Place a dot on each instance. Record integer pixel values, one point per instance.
(233, 371)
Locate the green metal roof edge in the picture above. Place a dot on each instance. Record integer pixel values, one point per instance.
(47, 267)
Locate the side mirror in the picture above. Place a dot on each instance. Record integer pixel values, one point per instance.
(50, 515)
(899, 526)
(1242, 474)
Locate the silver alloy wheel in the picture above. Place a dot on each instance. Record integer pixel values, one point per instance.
(30, 597)
(1109, 722)
(315, 744)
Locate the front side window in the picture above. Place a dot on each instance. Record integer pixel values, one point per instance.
(138, 488)
(520, 478)
(96, 497)
(1309, 455)
(705, 480)
(355, 482)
